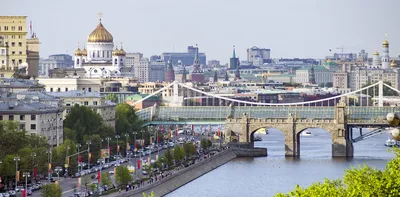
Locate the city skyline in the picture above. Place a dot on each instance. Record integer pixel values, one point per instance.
(166, 26)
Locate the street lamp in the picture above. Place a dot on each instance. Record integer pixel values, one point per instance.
(101, 166)
(33, 155)
(26, 175)
(117, 137)
(16, 159)
(58, 170)
(78, 146)
(88, 143)
(108, 148)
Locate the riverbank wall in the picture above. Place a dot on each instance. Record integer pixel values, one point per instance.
(250, 152)
(182, 177)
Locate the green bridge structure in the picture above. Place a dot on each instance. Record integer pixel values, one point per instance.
(241, 119)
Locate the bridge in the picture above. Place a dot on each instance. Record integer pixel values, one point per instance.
(338, 115)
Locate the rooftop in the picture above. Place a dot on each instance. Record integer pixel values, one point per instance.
(75, 93)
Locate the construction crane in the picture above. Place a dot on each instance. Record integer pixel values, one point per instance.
(342, 49)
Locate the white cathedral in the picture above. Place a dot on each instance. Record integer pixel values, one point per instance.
(99, 58)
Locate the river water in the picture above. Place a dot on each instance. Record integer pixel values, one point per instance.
(269, 175)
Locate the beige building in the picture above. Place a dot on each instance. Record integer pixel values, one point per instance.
(340, 80)
(4, 59)
(13, 28)
(98, 103)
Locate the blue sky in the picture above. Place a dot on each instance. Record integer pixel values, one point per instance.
(290, 28)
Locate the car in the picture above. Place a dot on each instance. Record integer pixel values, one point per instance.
(28, 192)
(111, 172)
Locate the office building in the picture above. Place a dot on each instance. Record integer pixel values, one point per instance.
(157, 71)
(258, 56)
(60, 61)
(186, 59)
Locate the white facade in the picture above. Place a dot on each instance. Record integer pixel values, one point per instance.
(375, 60)
(385, 55)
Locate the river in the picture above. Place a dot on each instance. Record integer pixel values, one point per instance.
(267, 176)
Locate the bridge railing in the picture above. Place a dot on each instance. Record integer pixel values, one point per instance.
(369, 113)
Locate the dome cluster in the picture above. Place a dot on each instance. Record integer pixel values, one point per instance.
(119, 52)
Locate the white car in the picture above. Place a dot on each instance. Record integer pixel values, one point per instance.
(111, 172)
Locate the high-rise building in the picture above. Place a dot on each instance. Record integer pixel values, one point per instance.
(157, 71)
(4, 58)
(142, 70)
(185, 59)
(13, 28)
(60, 61)
(133, 61)
(257, 55)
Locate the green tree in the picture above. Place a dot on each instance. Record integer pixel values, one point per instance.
(83, 121)
(321, 85)
(51, 190)
(151, 194)
(112, 97)
(123, 177)
(105, 179)
(126, 119)
(209, 144)
(203, 144)
(361, 181)
(169, 157)
(179, 154)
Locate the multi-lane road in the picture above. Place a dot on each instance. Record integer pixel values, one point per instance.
(68, 184)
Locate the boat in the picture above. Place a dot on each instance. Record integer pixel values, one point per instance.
(257, 138)
(392, 143)
(306, 133)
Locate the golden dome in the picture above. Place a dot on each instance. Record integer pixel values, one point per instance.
(376, 53)
(78, 52)
(393, 64)
(100, 34)
(115, 52)
(122, 52)
(329, 60)
(84, 52)
(385, 43)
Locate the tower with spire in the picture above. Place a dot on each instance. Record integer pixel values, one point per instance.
(385, 54)
(233, 60)
(170, 74)
(197, 74)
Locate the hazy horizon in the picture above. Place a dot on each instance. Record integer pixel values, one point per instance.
(307, 28)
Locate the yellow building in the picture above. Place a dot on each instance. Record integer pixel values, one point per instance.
(13, 28)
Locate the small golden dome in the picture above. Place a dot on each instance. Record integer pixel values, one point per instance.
(122, 52)
(78, 52)
(100, 34)
(329, 60)
(393, 64)
(115, 52)
(385, 43)
(84, 52)
(376, 53)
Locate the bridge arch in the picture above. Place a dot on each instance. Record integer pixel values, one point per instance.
(312, 138)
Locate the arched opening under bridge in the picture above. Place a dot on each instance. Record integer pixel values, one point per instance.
(314, 143)
(271, 138)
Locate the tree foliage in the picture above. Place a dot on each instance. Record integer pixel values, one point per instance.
(105, 179)
(112, 97)
(51, 190)
(189, 149)
(169, 157)
(82, 121)
(126, 120)
(179, 153)
(123, 177)
(361, 181)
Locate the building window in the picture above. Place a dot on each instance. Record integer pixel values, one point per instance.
(11, 117)
(58, 89)
(86, 103)
(20, 52)
(68, 111)
(66, 89)
(94, 102)
(33, 117)
(20, 44)
(51, 89)
(20, 28)
(98, 53)
(13, 52)
(22, 126)
(20, 61)
(68, 104)
(90, 89)
(33, 126)
(77, 61)
(13, 28)
(13, 44)
(22, 117)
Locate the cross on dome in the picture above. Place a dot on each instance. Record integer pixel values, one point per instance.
(100, 15)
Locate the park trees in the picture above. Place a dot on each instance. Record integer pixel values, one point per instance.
(169, 157)
(126, 119)
(361, 181)
(179, 154)
(51, 190)
(123, 177)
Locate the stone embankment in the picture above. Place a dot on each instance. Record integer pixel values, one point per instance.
(184, 176)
